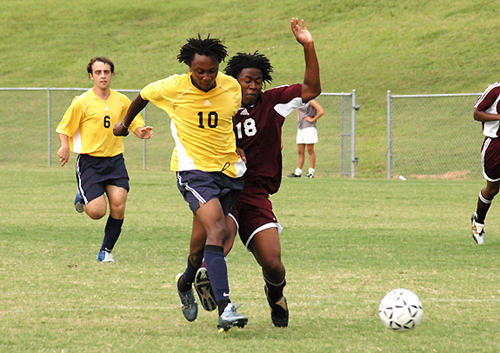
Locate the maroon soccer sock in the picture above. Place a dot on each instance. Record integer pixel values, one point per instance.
(483, 205)
(275, 290)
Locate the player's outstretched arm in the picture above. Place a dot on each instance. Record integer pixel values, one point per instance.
(138, 104)
(311, 86)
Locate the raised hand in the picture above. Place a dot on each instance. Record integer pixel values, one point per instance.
(300, 31)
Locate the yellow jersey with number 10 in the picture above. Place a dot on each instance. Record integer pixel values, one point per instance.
(202, 122)
(89, 122)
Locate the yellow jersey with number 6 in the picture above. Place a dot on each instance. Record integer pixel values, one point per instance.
(89, 122)
(202, 122)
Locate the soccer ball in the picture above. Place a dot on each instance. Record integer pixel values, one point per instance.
(400, 310)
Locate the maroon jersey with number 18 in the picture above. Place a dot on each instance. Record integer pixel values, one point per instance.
(258, 133)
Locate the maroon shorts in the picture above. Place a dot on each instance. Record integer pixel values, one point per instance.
(253, 213)
(490, 158)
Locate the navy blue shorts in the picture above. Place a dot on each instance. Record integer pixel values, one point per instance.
(94, 173)
(198, 187)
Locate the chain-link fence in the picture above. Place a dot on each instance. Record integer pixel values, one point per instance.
(30, 116)
(433, 136)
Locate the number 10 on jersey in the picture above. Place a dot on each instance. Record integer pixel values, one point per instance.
(212, 120)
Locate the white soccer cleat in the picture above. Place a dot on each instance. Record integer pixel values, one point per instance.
(477, 230)
(105, 256)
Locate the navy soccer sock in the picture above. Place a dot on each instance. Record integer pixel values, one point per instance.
(185, 282)
(111, 233)
(217, 272)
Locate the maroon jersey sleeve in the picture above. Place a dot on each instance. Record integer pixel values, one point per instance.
(488, 97)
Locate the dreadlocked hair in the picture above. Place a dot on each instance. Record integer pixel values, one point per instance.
(211, 47)
(243, 61)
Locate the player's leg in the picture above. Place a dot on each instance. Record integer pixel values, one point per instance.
(266, 248)
(210, 197)
(195, 258)
(115, 176)
(312, 160)
(97, 208)
(484, 200)
(211, 215)
(90, 195)
(490, 160)
(202, 280)
(184, 280)
(259, 230)
(117, 197)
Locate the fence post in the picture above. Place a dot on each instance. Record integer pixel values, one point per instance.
(341, 135)
(354, 108)
(49, 120)
(144, 143)
(389, 134)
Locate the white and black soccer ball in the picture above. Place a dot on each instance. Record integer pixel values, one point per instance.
(401, 310)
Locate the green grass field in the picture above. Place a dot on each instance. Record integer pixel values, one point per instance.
(345, 244)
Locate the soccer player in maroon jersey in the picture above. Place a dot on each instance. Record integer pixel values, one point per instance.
(258, 132)
(487, 110)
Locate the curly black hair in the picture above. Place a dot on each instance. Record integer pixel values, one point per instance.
(211, 47)
(246, 60)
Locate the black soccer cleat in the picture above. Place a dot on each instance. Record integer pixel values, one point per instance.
(279, 310)
(204, 289)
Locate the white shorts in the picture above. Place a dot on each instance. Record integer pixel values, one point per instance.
(307, 135)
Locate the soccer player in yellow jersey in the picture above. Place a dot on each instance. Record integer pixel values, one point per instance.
(86, 128)
(201, 105)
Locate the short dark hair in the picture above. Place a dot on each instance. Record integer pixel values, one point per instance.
(211, 47)
(246, 60)
(101, 59)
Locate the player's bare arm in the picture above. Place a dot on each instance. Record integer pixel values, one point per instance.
(63, 151)
(311, 86)
(241, 154)
(483, 116)
(138, 104)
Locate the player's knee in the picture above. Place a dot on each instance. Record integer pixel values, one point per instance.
(490, 192)
(274, 266)
(96, 214)
(218, 235)
(196, 258)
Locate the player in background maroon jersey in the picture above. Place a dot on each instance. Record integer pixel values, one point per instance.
(487, 110)
(257, 127)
